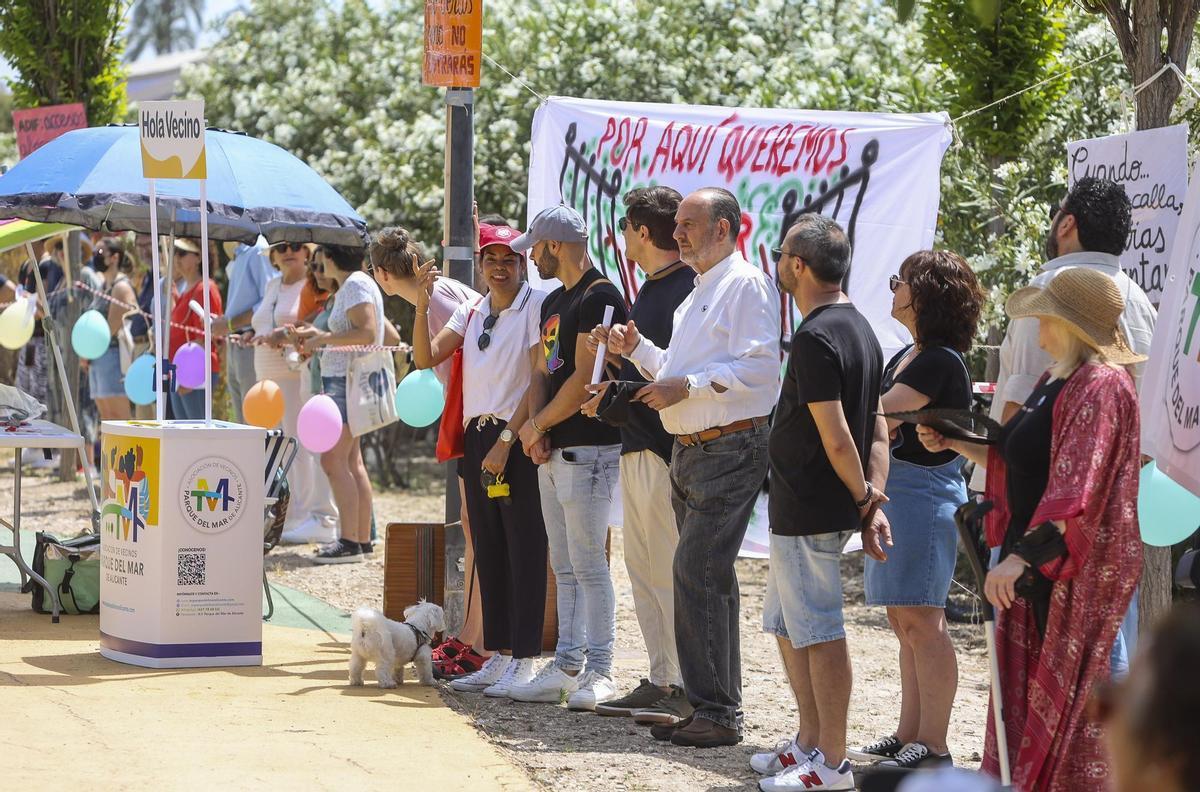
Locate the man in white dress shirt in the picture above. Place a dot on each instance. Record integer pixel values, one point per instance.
(714, 389)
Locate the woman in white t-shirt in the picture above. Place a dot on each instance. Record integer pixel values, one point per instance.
(355, 319)
(394, 259)
(500, 338)
(312, 515)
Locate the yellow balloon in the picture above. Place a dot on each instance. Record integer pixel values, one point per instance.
(263, 405)
(16, 325)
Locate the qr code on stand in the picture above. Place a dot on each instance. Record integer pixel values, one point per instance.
(191, 569)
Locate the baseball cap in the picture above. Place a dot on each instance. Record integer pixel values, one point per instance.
(187, 245)
(558, 223)
(497, 235)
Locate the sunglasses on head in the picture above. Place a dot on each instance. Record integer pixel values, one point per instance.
(294, 247)
(485, 338)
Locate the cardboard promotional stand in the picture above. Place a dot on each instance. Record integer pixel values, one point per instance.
(181, 522)
(181, 501)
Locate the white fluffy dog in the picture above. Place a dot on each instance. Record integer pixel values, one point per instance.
(390, 645)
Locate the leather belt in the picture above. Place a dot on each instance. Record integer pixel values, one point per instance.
(696, 438)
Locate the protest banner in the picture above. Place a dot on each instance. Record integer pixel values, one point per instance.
(1170, 395)
(875, 174)
(37, 126)
(453, 43)
(1152, 166)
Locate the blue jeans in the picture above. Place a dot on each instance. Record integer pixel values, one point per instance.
(577, 486)
(1126, 643)
(190, 407)
(714, 486)
(240, 377)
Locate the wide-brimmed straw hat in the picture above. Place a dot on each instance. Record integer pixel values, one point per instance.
(1087, 300)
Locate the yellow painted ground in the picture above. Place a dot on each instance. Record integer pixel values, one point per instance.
(71, 719)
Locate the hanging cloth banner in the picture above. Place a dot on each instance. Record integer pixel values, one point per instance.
(1152, 166)
(878, 175)
(1170, 396)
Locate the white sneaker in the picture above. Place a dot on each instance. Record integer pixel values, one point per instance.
(552, 685)
(787, 753)
(310, 530)
(810, 774)
(518, 672)
(594, 688)
(488, 674)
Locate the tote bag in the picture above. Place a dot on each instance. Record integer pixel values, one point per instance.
(371, 392)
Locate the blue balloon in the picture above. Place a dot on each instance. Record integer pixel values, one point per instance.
(139, 380)
(1167, 513)
(90, 337)
(419, 398)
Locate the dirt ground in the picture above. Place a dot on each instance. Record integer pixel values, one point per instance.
(576, 752)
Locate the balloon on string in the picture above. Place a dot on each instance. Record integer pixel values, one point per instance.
(319, 424)
(189, 365)
(1167, 513)
(90, 337)
(419, 398)
(16, 325)
(139, 380)
(263, 405)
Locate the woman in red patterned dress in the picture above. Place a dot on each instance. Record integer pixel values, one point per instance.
(1064, 478)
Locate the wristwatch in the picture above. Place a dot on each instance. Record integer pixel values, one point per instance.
(507, 437)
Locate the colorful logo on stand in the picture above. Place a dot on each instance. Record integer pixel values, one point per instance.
(213, 495)
(126, 504)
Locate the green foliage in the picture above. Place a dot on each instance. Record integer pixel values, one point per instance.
(164, 25)
(340, 88)
(64, 53)
(984, 61)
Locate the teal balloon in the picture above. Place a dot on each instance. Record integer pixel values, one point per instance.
(420, 398)
(139, 380)
(1167, 512)
(90, 336)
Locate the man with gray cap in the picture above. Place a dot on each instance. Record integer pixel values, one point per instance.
(578, 461)
(714, 388)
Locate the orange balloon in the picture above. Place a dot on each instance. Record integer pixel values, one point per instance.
(263, 405)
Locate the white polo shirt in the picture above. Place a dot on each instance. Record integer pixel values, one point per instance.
(495, 379)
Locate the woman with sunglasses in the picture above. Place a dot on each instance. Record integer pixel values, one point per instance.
(937, 298)
(313, 515)
(500, 337)
(394, 259)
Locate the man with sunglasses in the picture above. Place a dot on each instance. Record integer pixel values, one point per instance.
(714, 389)
(248, 273)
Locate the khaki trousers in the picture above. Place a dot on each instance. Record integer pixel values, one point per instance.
(650, 539)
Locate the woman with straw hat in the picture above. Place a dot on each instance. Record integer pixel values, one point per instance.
(1064, 478)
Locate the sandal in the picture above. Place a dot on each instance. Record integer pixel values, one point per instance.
(464, 661)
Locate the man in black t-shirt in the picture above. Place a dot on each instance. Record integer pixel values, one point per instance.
(828, 462)
(577, 458)
(649, 527)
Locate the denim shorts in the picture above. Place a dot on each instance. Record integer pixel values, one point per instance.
(804, 588)
(920, 509)
(104, 375)
(335, 388)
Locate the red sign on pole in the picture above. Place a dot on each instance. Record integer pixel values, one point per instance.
(37, 126)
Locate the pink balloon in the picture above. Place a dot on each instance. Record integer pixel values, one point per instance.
(319, 424)
(189, 365)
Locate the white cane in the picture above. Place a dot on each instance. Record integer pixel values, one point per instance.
(968, 519)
